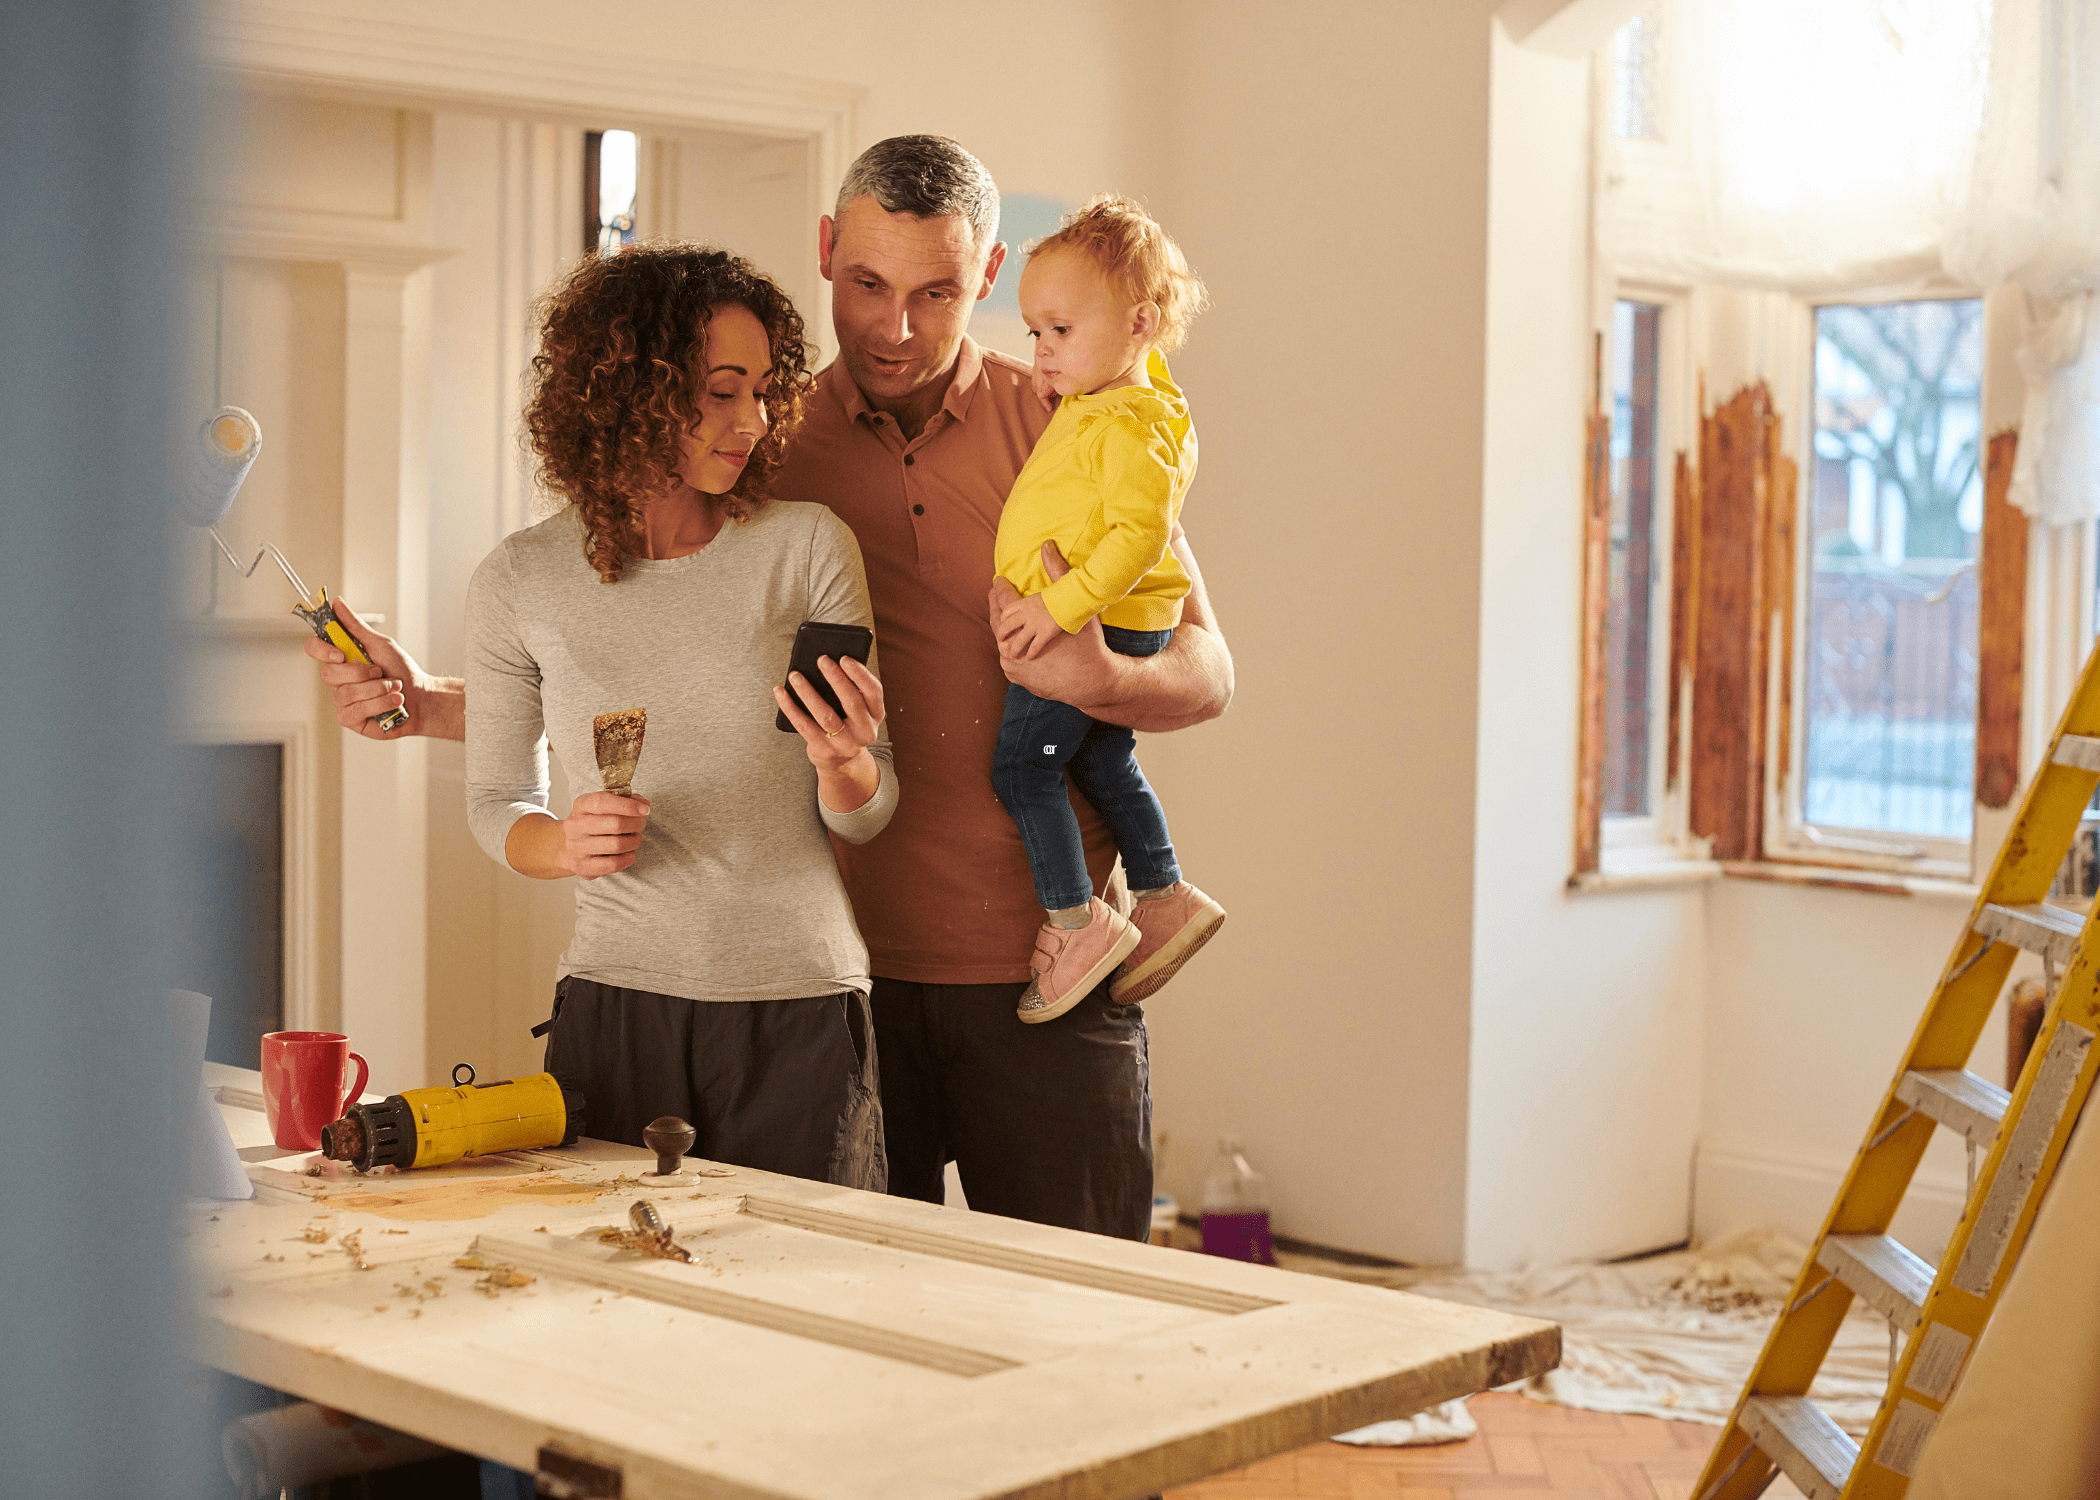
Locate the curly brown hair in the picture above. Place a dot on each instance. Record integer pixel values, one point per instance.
(616, 381)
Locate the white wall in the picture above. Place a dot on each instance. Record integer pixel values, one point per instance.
(1586, 1008)
(1328, 178)
(1812, 996)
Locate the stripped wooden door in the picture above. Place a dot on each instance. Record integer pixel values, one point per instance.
(823, 1344)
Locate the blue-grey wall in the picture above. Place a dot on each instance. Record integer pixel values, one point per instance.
(93, 1398)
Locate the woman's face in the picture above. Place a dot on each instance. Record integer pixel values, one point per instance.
(737, 364)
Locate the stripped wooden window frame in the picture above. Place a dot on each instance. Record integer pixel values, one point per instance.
(1660, 828)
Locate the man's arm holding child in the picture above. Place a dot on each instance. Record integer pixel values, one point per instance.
(1188, 683)
(437, 706)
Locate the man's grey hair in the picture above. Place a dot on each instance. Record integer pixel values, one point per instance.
(928, 176)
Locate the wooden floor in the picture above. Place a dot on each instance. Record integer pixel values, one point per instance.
(1523, 1448)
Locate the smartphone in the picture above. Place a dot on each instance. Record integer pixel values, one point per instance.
(818, 638)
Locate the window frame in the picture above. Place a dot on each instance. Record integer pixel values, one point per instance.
(1659, 827)
(1788, 835)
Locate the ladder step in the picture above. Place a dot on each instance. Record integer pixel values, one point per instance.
(2047, 930)
(1887, 1276)
(1794, 1433)
(1958, 1099)
(2078, 750)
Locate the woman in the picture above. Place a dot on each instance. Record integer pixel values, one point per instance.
(716, 973)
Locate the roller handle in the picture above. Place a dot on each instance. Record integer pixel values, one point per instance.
(332, 630)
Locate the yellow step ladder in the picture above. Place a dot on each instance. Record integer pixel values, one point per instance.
(1939, 1313)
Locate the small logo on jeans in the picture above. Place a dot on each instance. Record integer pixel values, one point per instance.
(1049, 749)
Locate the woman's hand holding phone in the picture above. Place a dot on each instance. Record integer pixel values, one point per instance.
(836, 740)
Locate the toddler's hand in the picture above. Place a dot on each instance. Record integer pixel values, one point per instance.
(1044, 392)
(1028, 629)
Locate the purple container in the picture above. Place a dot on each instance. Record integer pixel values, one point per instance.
(1238, 1234)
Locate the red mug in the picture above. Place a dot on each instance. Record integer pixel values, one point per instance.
(302, 1082)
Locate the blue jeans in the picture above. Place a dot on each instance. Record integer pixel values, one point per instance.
(1039, 740)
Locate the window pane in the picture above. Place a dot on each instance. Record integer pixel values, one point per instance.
(1895, 513)
(1636, 60)
(1628, 619)
(610, 177)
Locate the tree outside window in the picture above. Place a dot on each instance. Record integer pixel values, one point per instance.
(1895, 513)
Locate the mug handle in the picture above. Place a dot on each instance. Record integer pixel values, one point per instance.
(364, 1071)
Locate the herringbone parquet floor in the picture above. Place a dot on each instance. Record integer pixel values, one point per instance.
(1523, 1449)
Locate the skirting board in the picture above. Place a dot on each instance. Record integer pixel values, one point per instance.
(1734, 1190)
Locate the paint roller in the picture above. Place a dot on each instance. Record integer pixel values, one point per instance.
(209, 476)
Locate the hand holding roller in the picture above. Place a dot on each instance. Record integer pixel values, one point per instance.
(210, 474)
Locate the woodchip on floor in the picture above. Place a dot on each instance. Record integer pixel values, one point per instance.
(1523, 1448)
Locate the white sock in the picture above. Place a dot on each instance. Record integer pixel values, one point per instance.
(1071, 916)
(1160, 894)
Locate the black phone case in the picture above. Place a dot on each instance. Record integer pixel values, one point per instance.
(820, 638)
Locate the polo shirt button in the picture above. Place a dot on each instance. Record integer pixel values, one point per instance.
(918, 510)
(909, 460)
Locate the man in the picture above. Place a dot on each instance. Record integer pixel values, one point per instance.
(913, 436)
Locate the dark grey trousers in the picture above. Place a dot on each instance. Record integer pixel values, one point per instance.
(1051, 1123)
(788, 1086)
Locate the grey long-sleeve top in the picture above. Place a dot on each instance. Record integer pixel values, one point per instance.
(734, 894)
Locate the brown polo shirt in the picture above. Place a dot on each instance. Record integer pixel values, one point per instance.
(944, 895)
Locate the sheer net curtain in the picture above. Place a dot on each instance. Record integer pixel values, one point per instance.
(2030, 215)
(1828, 148)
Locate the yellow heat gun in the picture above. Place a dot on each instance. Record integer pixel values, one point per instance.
(429, 1127)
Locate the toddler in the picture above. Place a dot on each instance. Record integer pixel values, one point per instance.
(1104, 298)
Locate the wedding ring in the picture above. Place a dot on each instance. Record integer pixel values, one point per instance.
(829, 733)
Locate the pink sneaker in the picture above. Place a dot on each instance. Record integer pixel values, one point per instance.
(1173, 927)
(1070, 961)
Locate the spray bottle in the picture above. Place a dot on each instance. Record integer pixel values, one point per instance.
(1236, 1208)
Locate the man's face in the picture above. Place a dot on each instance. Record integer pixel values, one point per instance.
(902, 291)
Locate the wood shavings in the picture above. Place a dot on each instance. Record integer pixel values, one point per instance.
(471, 1263)
(316, 1235)
(393, 1231)
(662, 1246)
(501, 1279)
(354, 1247)
(268, 1256)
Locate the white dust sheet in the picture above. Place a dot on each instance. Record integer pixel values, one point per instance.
(1670, 1336)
